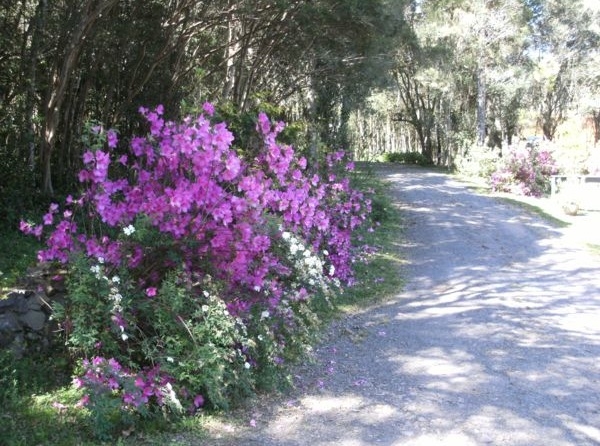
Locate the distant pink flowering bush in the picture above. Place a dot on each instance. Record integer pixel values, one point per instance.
(524, 171)
(181, 224)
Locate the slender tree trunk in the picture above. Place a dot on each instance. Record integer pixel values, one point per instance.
(231, 53)
(596, 122)
(90, 12)
(481, 104)
(37, 23)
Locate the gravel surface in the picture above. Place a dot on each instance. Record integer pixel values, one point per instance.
(494, 340)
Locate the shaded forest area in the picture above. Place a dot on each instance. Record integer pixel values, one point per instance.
(432, 76)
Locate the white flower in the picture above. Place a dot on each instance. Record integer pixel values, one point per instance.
(128, 230)
(124, 336)
(116, 279)
(169, 359)
(265, 314)
(205, 293)
(95, 269)
(205, 308)
(307, 253)
(286, 235)
(331, 270)
(325, 252)
(294, 248)
(100, 260)
(257, 288)
(246, 365)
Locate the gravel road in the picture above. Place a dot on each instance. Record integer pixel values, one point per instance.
(495, 339)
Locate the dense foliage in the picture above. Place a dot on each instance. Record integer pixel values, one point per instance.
(407, 158)
(65, 63)
(193, 272)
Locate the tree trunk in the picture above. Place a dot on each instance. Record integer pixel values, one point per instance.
(481, 105)
(596, 122)
(231, 53)
(38, 24)
(90, 13)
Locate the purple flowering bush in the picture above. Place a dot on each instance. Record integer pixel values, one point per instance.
(524, 171)
(193, 272)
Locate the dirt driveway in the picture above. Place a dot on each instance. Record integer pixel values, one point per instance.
(495, 339)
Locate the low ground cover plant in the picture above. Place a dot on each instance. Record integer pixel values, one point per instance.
(194, 272)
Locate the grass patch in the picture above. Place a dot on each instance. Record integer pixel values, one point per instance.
(379, 278)
(594, 248)
(557, 222)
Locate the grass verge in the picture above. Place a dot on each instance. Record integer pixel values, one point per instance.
(37, 400)
(536, 210)
(594, 248)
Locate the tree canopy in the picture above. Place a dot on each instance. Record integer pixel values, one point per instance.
(447, 73)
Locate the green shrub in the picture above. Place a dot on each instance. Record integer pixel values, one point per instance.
(407, 158)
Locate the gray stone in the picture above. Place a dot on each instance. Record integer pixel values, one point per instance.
(9, 323)
(9, 302)
(18, 346)
(35, 301)
(34, 319)
(17, 301)
(20, 293)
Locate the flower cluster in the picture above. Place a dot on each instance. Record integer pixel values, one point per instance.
(187, 181)
(103, 377)
(267, 230)
(524, 171)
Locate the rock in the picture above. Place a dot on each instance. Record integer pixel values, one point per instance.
(9, 325)
(16, 301)
(35, 301)
(571, 208)
(8, 302)
(18, 346)
(34, 320)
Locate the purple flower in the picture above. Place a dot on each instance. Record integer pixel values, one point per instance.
(198, 401)
(112, 139)
(208, 108)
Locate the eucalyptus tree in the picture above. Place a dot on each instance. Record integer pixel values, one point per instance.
(486, 40)
(565, 38)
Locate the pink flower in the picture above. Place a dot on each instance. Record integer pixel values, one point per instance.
(264, 125)
(198, 401)
(232, 167)
(25, 227)
(128, 399)
(88, 157)
(84, 401)
(112, 138)
(151, 291)
(208, 108)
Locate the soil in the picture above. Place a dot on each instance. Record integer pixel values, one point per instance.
(494, 340)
